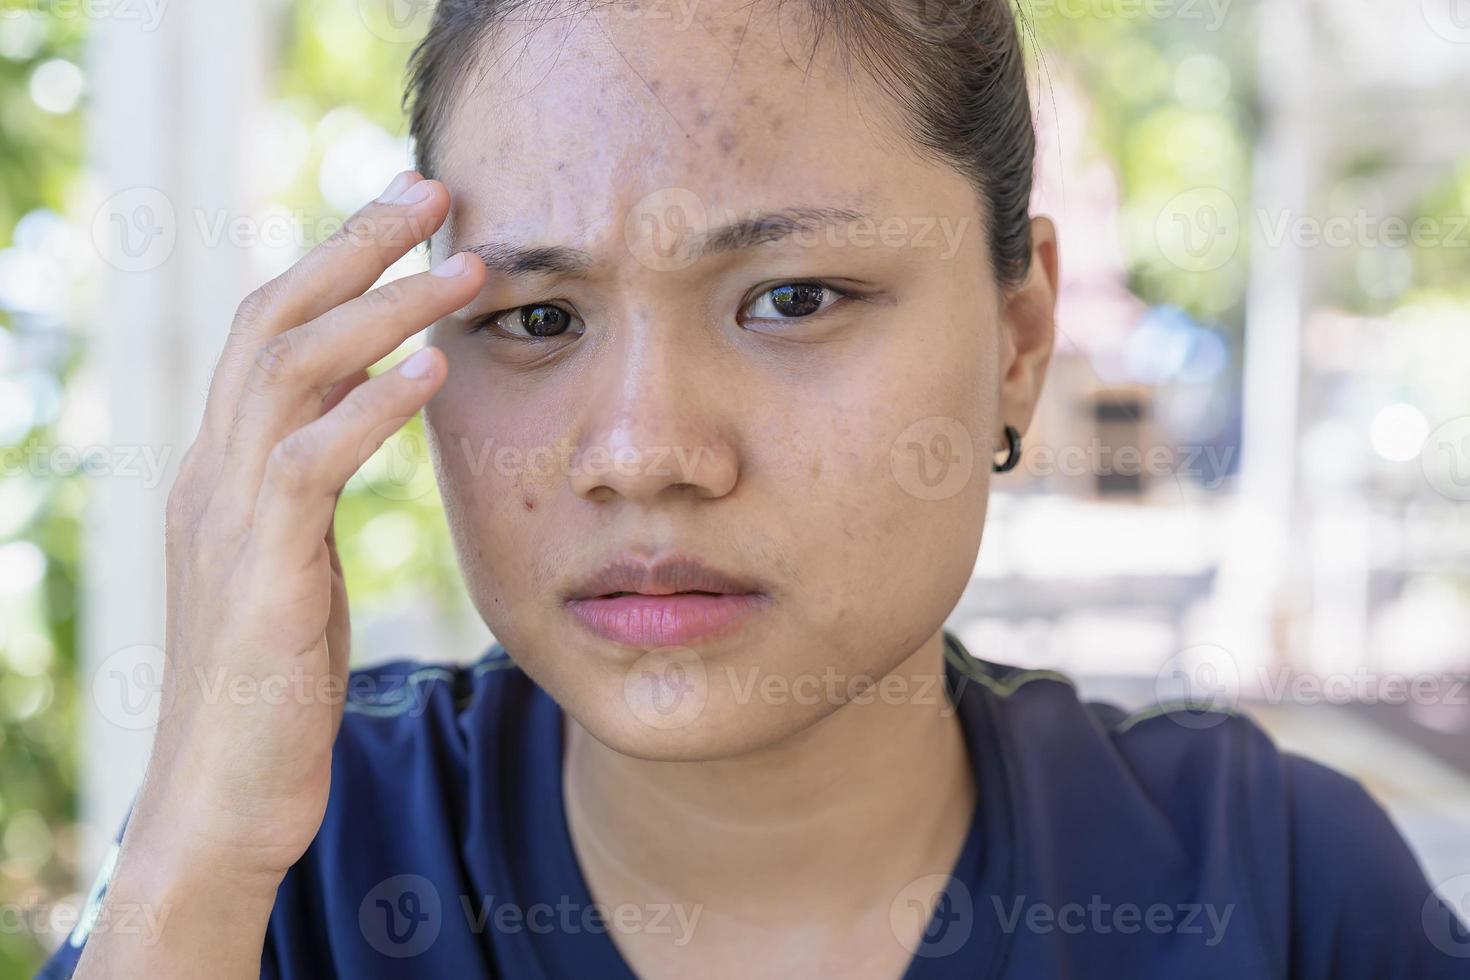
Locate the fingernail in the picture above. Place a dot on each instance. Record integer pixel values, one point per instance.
(417, 364)
(398, 186)
(450, 267)
(418, 192)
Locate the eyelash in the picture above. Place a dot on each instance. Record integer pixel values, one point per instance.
(838, 294)
(488, 320)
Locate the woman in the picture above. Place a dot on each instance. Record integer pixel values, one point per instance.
(721, 309)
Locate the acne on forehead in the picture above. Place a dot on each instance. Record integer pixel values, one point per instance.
(618, 115)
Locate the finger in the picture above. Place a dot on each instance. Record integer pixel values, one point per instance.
(341, 388)
(339, 623)
(295, 369)
(343, 266)
(334, 398)
(285, 388)
(306, 470)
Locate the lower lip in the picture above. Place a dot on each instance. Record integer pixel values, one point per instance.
(666, 620)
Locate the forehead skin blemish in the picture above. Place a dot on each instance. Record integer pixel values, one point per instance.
(635, 120)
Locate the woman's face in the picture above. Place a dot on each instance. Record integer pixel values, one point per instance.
(828, 447)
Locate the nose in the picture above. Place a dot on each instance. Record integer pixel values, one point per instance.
(654, 424)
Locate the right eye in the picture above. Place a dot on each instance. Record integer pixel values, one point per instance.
(539, 321)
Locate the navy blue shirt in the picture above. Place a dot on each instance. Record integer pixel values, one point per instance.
(1170, 843)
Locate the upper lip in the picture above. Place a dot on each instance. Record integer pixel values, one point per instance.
(665, 575)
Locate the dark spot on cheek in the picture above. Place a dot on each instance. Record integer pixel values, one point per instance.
(728, 141)
(703, 118)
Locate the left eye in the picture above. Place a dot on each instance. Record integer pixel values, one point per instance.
(791, 301)
(537, 322)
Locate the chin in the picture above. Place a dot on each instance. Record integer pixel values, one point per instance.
(678, 704)
(723, 728)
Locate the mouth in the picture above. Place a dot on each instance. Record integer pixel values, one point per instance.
(677, 600)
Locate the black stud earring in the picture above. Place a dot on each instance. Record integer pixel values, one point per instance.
(1013, 451)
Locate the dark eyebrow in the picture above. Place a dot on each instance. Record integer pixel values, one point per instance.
(516, 260)
(760, 228)
(764, 227)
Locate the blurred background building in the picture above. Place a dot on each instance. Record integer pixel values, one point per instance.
(1248, 482)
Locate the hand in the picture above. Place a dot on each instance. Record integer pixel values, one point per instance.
(257, 619)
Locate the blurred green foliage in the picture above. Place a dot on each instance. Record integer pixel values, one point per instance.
(40, 522)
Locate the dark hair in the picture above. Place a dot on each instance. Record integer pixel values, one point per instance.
(956, 68)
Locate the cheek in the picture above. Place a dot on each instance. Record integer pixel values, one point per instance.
(881, 477)
(498, 461)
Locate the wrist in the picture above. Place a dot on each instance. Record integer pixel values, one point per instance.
(187, 819)
(172, 905)
(174, 862)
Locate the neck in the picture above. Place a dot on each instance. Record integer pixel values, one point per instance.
(830, 822)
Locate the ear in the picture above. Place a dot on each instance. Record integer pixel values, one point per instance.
(1028, 332)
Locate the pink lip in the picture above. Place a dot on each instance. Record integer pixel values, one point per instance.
(665, 620)
(675, 600)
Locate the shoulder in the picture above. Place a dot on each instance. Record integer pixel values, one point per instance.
(1164, 746)
(1316, 866)
(1362, 904)
(1187, 776)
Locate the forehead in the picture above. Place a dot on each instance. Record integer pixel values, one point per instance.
(570, 123)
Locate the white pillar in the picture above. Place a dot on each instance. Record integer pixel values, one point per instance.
(1255, 568)
(170, 106)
